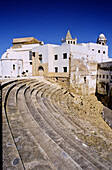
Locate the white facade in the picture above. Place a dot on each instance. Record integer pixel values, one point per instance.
(19, 57)
(80, 51)
(22, 60)
(11, 67)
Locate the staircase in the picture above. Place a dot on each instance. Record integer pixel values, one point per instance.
(39, 132)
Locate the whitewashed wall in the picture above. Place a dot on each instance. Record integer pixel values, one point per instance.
(0, 68)
(7, 68)
(22, 54)
(82, 51)
(60, 63)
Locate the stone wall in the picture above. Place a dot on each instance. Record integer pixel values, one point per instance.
(36, 64)
(83, 76)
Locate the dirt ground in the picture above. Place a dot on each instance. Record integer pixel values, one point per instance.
(88, 110)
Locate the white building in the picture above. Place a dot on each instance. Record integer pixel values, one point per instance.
(104, 83)
(104, 78)
(18, 59)
(31, 57)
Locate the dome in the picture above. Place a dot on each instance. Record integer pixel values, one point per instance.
(4, 55)
(102, 37)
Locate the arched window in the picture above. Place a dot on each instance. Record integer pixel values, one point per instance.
(40, 68)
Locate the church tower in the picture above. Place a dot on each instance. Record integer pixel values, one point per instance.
(68, 39)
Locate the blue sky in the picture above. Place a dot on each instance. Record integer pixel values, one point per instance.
(49, 21)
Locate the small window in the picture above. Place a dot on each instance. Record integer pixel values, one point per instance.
(56, 57)
(107, 76)
(84, 79)
(92, 49)
(98, 51)
(30, 63)
(103, 76)
(103, 52)
(99, 76)
(74, 42)
(13, 66)
(111, 76)
(71, 42)
(68, 42)
(40, 58)
(34, 54)
(65, 69)
(56, 69)
(30, 55)
(64, 55)
(26, 71)
(102, 43)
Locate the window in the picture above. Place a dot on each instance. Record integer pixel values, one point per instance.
(64, 69)
(103, 76)
(64, 55)
(107, 76)
(40, 68)
(98, 51)
(71, 42)
(102, 43)
(30, 55)
(30, 63)
(84, 79)
(26, 71)
(68, 42)
(56, 57)
(40, 58)
(99, 76)
(13, 66)
(74, 42)
(103, 52)
(56, 69)
(111, 76)
(34, 54)
(92, 49)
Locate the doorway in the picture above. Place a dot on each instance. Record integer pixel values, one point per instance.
(41, 71)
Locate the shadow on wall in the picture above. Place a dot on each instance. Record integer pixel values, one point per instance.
(105, 99)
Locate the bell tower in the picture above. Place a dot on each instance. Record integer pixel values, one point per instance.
(68, 39)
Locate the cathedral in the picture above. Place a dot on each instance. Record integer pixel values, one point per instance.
(70, 60)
